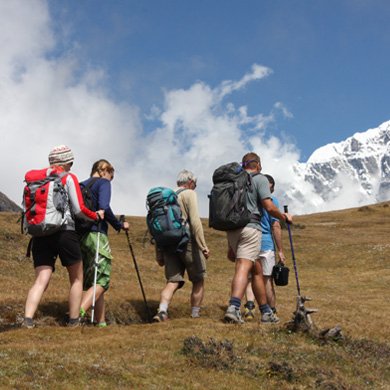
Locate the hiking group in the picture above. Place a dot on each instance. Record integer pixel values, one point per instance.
(69, 220)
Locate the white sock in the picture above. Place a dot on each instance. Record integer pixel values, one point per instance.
(163, 307)
(195, 311)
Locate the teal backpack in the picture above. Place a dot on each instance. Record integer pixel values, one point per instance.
(164, 220)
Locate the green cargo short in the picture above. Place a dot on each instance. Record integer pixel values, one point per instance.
(88, 246)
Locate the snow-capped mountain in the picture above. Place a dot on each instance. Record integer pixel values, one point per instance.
(345, 174)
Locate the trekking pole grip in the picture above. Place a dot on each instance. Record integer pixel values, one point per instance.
(285, 207)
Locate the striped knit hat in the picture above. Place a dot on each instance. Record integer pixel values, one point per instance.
(61, 155)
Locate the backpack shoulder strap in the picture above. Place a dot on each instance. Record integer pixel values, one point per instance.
(91, 182)
(62, 177)
(180, 190)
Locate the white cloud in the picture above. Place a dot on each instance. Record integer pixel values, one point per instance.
(280, 106)
(258, 72)
(46, 101)
(44, 104)
(24, 34)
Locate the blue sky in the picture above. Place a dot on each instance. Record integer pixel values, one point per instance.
(329, 58)
(158, 86)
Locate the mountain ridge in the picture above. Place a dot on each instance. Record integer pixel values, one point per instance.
(7, 204)
(357, 169)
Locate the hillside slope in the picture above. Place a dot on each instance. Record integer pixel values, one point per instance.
(7, 204)
(343, 262)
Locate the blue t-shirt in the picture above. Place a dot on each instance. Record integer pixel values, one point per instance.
(267, 220)
(101, 193)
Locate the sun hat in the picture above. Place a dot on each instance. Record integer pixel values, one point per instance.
(61, 155)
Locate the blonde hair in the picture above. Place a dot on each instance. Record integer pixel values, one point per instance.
(102, 166)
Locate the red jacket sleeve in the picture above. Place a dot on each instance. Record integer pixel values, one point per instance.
(76, 199)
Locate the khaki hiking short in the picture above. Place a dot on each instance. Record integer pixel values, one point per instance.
(245, 243)
(192, 260)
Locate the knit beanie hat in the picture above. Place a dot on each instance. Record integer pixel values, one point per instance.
(61, 155)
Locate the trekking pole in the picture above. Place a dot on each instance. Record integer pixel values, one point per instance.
(292, 253)
(95, 264)
(122, 219)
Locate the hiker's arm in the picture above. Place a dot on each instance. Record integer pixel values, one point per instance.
(231, 255)
(195, 222)
(274, 211)
(104, 200)
(277, 233)
(77, 202)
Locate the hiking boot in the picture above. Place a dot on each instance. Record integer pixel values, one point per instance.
(101, 325)
(73, 323)
(161, 316)
(249, 314)
(28, 323)
(233, 315)
(269, 317)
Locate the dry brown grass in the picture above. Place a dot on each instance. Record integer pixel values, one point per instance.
(343, 264)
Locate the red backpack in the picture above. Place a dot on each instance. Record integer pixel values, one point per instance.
(44, 202)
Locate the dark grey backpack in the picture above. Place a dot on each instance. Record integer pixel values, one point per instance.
(228, 198)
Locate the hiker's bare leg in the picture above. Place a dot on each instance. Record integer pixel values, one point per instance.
(249, 292)
(197, 293)
(86, 302)
(258, 285)
(240, 279)
(100, 309)
(167, 292)
(270, 290)
(42, 278)
(75, 272)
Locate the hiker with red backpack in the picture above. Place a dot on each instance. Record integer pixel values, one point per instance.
(190, 251)
(236, 201)
(95, 246)
(51, 200)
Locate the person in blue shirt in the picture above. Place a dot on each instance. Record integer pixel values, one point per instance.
(271, 235)
(102, 174)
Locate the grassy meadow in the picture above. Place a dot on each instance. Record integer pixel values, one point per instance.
(343, 264)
